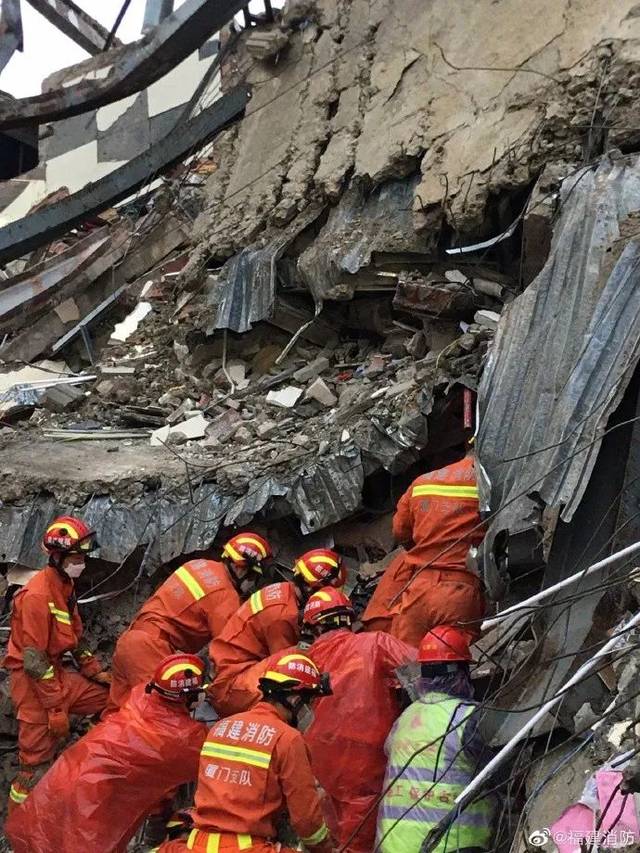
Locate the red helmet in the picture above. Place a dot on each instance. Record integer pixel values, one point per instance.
(295, 673)
(325, 604)
(320, 567)
(247, 550)
(68, 535)
(444, 644)
(177, 676)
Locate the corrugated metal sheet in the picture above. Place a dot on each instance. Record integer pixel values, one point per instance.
(564, 352)
(318, 495)
(246, 292)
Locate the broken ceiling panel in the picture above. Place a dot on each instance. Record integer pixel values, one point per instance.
(361, 224)
(564, 352)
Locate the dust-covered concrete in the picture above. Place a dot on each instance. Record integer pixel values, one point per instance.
(475, 99)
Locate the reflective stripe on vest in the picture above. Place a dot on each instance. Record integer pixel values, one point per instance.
(17, 795)
(210, 841)
(255, 602)
(61, 616)
(440, 490)
(241, 754)
(48, 674)
(190, 582)
(426, 791)
(317, 836)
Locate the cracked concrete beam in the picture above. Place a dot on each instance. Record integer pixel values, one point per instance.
(75, 23)
(128, 69)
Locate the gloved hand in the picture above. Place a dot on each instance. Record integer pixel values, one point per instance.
(102, 678)
(58, 723)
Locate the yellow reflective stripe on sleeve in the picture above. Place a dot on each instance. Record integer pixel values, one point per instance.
(255, 602)
(240, 754)
(213, 842)
(442, 491)
(48, 674)
(318, 836)
(191, 840)
(17, 796)
(190, 582)
(245, 842)
(59, 615)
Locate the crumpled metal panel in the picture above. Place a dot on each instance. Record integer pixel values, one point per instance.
(169, 527)
(246, 292)
(360, 225)
(328, 490)
(564, 353)
(320, 494)
(245, 508)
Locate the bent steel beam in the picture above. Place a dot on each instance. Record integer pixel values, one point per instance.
(42, 226)
(10, 30)
(130, 68)
(75, 23)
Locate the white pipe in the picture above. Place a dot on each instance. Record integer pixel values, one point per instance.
(585, 669)
(528, 602)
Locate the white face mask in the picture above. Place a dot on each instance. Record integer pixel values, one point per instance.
(74, 569)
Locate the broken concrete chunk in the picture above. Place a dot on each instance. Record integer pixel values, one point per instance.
(105, 388)
(160, 436)
(320, 391)
(400, 388)
(267, 428)
(122, 331)
(186, 405)
(285, 398)
(192, 427)
(181, 351)
(68, 311)
(310, 371)
(264, 44)
(61, 398)
(301, 440)
(225, 425)
(243, 435)
(488, 319)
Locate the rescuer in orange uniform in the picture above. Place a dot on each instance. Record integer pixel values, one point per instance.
(268, 622)
(437, 520)
(98, 793)
(45, 624)
(346, 739)
(254, 765)
(186, 612)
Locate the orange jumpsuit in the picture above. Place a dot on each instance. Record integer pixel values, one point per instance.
(190, 608)
(45, 624)
(265, 624)
(97, 794)
(253, 766)
(438, 515)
